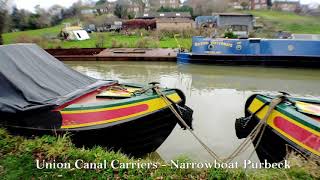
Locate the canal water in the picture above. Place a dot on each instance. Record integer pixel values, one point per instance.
(217, 95)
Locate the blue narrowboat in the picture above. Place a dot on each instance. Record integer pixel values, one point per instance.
(277, 52)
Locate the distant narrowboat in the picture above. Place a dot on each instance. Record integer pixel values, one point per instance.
(293, 125)
(275, 52)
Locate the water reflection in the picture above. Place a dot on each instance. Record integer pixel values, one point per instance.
(216, 93)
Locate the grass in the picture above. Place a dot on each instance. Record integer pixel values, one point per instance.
(287, 21)
(18, 159)
(109, 38)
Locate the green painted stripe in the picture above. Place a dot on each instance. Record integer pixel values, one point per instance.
(115, 103)
(293, 114)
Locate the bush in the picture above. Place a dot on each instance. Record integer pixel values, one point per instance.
(100, 40)
(40, 41)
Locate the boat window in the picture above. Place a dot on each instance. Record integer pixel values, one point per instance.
(79, 35)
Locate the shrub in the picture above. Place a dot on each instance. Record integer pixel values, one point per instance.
(24, 38)
(100, 40)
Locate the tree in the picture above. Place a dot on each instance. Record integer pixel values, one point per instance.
(3, 14)
(121, 9)
(180, 9)
(244, 5)
(269, 3)
(141, 5)
(100, 2)
(2, 18)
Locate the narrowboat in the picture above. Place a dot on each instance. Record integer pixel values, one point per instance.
(253, 51)
(39, 95)
(292, 126)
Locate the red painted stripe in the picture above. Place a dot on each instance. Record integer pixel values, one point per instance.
(82, 118)
(309, 139)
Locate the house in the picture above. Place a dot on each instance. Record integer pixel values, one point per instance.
(285, 5)
(258, 4)
(156, 4)
(90, 11)
(239, 4)
(106, 8)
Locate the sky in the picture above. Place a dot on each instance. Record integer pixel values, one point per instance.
(30, 4)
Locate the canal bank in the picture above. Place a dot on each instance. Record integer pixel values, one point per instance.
(114, 54)
(50, 157)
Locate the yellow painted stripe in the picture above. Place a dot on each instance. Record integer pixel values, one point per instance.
(153, 105)
(256, 104)
(174, 97)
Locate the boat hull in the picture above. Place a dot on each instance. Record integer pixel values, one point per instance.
(134, 137)
(135, 125)
(287, 130)
(271, 52)
(247, 60)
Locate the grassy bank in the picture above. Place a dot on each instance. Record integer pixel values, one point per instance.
(104, 39)
(18, 159)
(270, 21)
(273, 21)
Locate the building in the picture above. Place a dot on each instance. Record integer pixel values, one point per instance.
(156, 4)
(285, 5)
(239, 4)
(239, 21)
(206, 21)
(156, 15)
(174, 23)
(258, 4)
(106, 8)
(90, 11)
(172, 20)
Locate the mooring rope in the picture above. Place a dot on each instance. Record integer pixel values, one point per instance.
(164, 97)
(258, 129)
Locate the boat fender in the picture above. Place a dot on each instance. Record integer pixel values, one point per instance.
(245, 125)
(186, 114)
(184, 111)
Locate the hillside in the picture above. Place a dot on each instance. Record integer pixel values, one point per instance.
(270, 21)
(273, 21)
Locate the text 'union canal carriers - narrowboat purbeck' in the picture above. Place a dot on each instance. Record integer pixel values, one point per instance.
(292, 124)
(274, 52)
(39, 95)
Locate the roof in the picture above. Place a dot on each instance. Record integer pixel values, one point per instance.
(151, 15)
(231, 14)
(39, 80)
(173, 20)
(286, 2)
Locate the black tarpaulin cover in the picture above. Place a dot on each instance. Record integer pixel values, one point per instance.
(30, 78)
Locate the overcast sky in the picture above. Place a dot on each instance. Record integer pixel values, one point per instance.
(29, 4)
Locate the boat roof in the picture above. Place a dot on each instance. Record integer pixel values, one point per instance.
(31, 78)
